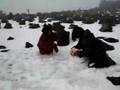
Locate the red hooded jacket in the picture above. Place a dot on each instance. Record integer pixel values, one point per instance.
(46, 43)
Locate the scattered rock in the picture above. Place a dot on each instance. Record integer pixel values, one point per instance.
(10, 65)
(20, 26)
(106, 28)
(42, 21)
(49, 20)
(71, 26)
(100, 37)
(2, 47)
(4, 20)
(10, 38)
(22, 22)
(8, 25)
(111, 40)
(28, 45)
(88, 20)
(5, 50)
(114, 80)
(33, 26)
(63, 38)
(67, 20)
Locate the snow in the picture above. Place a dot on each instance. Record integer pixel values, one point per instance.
(26, 69)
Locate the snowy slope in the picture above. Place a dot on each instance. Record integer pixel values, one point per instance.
(26, 69)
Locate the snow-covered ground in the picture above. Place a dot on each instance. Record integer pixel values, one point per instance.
(26, 69)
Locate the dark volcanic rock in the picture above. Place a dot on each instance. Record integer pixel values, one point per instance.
(5, 50)
(4, 20)
(28, 45)
(106, 28)
(2, 47)
(10, 38)
(10, 65)
(33, 26)
(101, 37)
(8, 25)
(58, 27)
(71, 26)
(111, 40)
(114, 80)
(22, 22)
(63, 38)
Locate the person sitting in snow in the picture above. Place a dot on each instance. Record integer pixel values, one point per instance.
(46, 43)
(93, 49)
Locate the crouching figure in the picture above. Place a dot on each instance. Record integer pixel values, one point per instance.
(93, 49)
(46, 43)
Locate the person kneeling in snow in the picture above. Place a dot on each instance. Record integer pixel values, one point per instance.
(93, 49)
(47, 40)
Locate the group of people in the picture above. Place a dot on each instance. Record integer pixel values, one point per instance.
(88, 46)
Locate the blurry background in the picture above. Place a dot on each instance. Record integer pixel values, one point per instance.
(16, 6)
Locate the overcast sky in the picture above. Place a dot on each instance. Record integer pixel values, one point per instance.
(45, 5)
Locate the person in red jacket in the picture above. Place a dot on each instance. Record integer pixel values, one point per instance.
(47, 40)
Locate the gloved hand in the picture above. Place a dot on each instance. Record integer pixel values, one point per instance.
(76, 52)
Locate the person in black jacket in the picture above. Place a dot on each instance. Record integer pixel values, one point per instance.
(94, 50)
